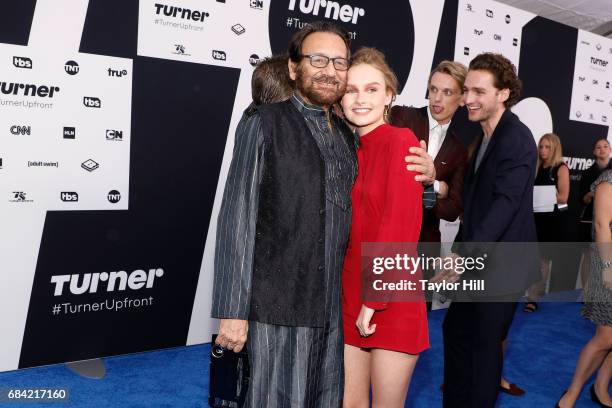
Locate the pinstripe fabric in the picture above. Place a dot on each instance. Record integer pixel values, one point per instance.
(290, 366)
(236, 224)
(301, 366)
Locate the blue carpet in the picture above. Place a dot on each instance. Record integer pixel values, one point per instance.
(541, 358)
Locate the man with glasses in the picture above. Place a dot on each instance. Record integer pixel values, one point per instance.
(283, 229)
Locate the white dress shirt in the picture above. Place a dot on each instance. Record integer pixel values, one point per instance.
(437, 133)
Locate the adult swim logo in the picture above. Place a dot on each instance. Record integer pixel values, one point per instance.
(105, 281)
(182, 13)
(90, 165)
(22, 62)
(19, 89)
(329, 9)
(71, 67)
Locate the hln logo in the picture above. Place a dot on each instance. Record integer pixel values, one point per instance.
(116, 135)
(69, 132)
(22, 62)
(69, 196)
(21, 130)
(92, 102)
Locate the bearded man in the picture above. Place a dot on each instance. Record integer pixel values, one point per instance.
(283, 229)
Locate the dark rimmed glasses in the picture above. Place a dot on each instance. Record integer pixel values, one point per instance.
(321, 61)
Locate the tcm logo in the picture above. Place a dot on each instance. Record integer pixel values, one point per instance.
(599, 61)
(22, 62)
(71, 67)
(69, 132)
(333, 10)
(116, 135)
(113, 196)
(489, 13)
(256, 4)
(184, 13)
(478, 32)
(497, 37)
(105, 281)
(19, 197)
(92, 102)
(117, 73)
(21, 130)
(69, 196)
(219, 55)
(15, 88)
(254, 59)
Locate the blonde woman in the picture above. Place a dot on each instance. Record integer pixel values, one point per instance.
(552, 171)
(382, 339)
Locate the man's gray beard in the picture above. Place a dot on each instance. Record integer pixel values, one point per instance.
(316, 97)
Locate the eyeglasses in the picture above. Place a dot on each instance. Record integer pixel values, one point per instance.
(321, 61)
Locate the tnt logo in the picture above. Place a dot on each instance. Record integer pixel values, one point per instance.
(71, 67)
(22, 62)
(117, 73)
(114, 196)
(92, 102)
(69, 196)
(21, 130)
(256, 4)
(116, 135)
(254, 60)
(219, 55)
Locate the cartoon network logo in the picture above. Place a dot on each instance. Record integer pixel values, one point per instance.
(333, 10)
(105, 281)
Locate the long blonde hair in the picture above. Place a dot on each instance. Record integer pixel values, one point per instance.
(556, 151)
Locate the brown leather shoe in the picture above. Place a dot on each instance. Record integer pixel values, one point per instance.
(514, 390)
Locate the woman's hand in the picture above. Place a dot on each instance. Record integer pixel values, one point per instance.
(363, 321)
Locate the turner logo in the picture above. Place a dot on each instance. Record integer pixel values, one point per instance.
(92, 102)
(331, 9)
(105, 281)
(113, 196)
(117, 73)
(219, 55)
(184, 13)
(578, 163)
(599, 61)
(69, 196)
(15, 88)
(22, 62)
(69, 132)
(71, 67)
(21, 130)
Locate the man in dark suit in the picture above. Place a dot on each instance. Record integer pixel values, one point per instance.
(433, 124)
(498, 208)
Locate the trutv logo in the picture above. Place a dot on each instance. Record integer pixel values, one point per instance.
(332, 9)
(105, 281)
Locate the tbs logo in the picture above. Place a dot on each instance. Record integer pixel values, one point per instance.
(71, 67)
(92, 102)
(22, 62)
(116, 135)
(69, 196)
(114, 196)
(219, 55)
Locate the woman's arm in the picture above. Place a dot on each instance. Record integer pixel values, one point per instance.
(563, 185)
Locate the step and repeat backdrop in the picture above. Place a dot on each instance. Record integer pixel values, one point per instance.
(117, 123)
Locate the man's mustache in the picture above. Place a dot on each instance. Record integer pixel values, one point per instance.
(326, 79)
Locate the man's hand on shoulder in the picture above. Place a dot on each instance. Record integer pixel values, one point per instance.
(421, 162)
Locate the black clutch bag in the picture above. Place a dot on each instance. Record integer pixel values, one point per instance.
(229, 376)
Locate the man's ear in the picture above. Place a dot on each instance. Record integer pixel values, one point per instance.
(504, 94)
(292, 69)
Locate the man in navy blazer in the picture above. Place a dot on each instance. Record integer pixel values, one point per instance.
(498, 208)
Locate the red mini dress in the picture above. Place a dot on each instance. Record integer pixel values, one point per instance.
(387, 207)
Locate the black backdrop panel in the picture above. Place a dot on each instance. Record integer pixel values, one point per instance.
(16, 21)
